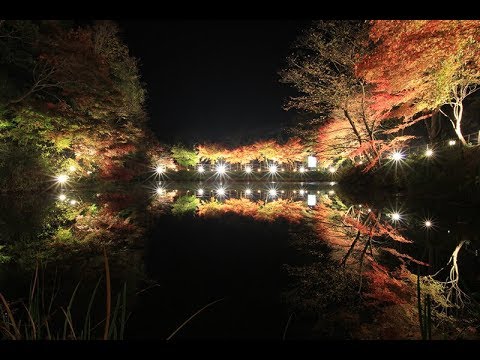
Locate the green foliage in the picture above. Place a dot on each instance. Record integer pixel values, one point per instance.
(3, 258)
(183, 156)
(185, 204)
(63, 235)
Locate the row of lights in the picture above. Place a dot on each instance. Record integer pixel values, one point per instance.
(221, 169)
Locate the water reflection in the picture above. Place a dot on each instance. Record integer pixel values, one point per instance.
(341, 250)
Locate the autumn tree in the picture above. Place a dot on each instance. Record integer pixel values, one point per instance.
(422, 67)
(323, 70)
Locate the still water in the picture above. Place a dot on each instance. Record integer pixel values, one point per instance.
(273, 260)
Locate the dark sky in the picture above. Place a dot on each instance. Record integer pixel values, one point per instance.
(213, 80)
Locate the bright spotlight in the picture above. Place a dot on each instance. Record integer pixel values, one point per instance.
(428, 224)
(62, 197)
(331, 192)
(221, 169)
(332, 183)
(302, 192)
(201, 169)
(248, 192)
(397, 156)
(395, 216)
(272, 169)
(221, 191)
(73, 202)
(72, 168)
(429, 153)
(452, 142)
(302, 169)
(160, 169)
(62, 179)
(248, 169)
(332, 169)
(200, 192)
(272, 192)
(160, 190)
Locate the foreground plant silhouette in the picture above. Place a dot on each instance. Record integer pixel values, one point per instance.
(34, 320)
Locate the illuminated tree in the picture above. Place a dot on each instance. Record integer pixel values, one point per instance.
(420, 67)
(184, 157)
(323, 71)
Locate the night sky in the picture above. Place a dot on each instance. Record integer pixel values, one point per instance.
(214, 80)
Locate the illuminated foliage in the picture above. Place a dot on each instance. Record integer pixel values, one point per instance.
(420, 66)
(183, 156)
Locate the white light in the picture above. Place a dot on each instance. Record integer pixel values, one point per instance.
(258, 170)
(201, 169)
(332, 183)
(295, 170)
(332, 169)
(62, 197)
(312, 161)
(89, 172)
(221, 191)
(312, 200)
(452, 142)
(221, 169)
(272, 169)
(160, 190)
(73, 202)
(395, 216)
(302, 169)
(429, 152)
(283, 191)
(72, 168)
(200, 192)
(302, 192)
(331, 192)
(248, 192)
(397, 156)
(259, 191)
(62, 179)
(428, 223)
(160, 169)
(272, 192)
(360, 162)
(369, 210)
(283, 169)
(248, 169)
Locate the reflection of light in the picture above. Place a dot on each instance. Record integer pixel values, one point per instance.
(369, 210)
(331, 192)
(200, 192)
(221, 168)
(283, 191)
(283, 169)
(429, 152)
(272, 192)
(258, 170)
(312, 200)
(248, 192)
(332, 169)
(62, 179)
(62, 197)
(160, 169)
(360, 162)
(397, 156)
(428, 223)
(452, 142)
(221, 191)
(259, 191)
(395, 216)
(160, 190)
(89, 172)
(248, 169)
(302, 192)
(272, 169)
(72, 168)
(302, 169)
(332, 183)
(201, 169)
(295, 170)
(73, 202)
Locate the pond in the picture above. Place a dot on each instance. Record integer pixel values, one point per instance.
(271, 260)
